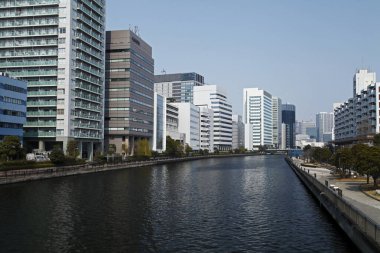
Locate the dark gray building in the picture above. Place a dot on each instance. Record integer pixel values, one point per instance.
(178, 86)
(129, 91)
(289, 119)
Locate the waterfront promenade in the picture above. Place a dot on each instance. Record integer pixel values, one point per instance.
(15, 176)
(350, 191)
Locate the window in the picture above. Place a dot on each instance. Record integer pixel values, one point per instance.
(62, 30)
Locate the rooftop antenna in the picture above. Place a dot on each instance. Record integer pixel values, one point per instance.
(136, 30)
(163, 71)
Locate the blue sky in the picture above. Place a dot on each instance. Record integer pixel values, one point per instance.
(305, 52)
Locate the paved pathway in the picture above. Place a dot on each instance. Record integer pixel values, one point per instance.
(351, 193)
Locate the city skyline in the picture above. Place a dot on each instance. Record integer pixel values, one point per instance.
(324, 53)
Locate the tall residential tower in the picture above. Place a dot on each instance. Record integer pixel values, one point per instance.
(58, 47)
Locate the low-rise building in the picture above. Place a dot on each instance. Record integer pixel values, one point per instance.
(13, 94)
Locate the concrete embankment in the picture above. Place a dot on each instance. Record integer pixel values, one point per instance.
(360, 228)
(15, 176)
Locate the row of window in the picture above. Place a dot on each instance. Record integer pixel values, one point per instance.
(10, 125)
(12, 100)
(9, 87)
(12, 113)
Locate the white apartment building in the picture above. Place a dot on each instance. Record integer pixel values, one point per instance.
(258, 118)
(344, 121)
(59, 48)
(207, 128)
(216, 99)
(277, 121)
(357, 119)
(189, 123)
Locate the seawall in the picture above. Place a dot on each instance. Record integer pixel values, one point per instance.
(16, 176)
(363, 231)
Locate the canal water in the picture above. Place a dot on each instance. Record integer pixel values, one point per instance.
(241, 204)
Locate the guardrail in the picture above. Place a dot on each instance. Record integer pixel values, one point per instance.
(357, 218)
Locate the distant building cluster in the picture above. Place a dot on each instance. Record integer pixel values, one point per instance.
(66, 78)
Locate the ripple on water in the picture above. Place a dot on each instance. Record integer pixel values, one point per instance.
(251, 204)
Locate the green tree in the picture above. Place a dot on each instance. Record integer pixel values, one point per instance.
(374, 164)
(321, 154)
(72, 149)
(142, 149)
(307, 150)
(111, 149)
(188, 149)
(10, 148)
(344, 160)
(174, 148)
(361, 162)
(57, 156)
(376, 140)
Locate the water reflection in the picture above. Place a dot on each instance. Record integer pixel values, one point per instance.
(239, 204)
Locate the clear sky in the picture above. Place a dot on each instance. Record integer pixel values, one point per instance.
(305, 52)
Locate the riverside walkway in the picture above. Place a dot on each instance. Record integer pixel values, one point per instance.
(350, 191)
(15, 176)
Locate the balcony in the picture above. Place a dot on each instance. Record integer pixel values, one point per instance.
(29, 13)
(41, 114)
(40, 124)
(41, 103)
(42, 83)
(39, 134)
(42, 93)
(28, 63)
(24, 3)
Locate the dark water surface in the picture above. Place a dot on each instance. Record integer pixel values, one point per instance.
(242, 204)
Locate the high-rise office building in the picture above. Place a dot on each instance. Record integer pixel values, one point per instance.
(216, 99)
(189, 123)
(178, 86)
(206, 128)
(324, 123)
(129, 91)
(277, 121)
(159, 125)
(58, 47)
(258, 118)
(289, 119)
(237, 131)
(172, 123)
(12, 106)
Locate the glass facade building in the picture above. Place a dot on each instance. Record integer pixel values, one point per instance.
(159, 127)
(178, 87)
(12, 107)
(289, 119)
(58, 47)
